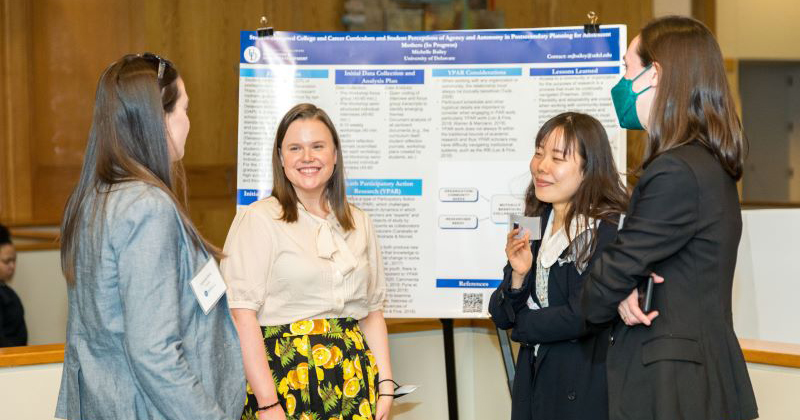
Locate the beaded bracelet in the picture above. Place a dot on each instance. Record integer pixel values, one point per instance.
(396, 385)
(267, 407)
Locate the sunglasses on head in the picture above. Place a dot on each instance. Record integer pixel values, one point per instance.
(162, 63)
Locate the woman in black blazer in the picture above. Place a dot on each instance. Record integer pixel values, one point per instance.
(577, 192)
(681, 361)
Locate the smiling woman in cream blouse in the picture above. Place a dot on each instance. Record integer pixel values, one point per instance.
(306, 286)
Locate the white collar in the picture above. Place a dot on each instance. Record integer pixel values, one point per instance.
(553, 245)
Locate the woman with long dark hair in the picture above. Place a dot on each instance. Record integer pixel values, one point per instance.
(578, 194)
(141, 344)
(682, 360)
(307, 286)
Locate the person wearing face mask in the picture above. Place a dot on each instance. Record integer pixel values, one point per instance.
(577, 192)
(682, 360)
(142, 343)
(307, 286)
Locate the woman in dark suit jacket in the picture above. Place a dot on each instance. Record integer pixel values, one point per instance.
(577, 192)
(683, 223)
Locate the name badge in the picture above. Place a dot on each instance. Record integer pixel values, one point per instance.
(208, 286)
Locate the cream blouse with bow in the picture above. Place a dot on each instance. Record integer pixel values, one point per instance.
(309, 269)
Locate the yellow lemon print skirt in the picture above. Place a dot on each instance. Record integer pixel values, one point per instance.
(323, 370)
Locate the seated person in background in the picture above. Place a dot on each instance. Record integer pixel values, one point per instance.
(578, 193)
(12, 317)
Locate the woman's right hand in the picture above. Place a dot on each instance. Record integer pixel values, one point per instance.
(518, 252)
(274, 413)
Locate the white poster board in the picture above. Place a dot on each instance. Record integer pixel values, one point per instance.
(437, 131)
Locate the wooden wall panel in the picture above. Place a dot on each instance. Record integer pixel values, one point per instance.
(73, 42)
(544, 13)
(706, 12)
(15, 103)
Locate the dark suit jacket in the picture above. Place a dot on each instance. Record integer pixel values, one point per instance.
(567, 380)
(683, 223)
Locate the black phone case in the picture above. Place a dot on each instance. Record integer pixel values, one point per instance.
(646, 296)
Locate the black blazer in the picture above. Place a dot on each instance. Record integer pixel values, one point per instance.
(683, 223)
(567, 380)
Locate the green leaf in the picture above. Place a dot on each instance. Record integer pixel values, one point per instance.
(349, 405)
(334, 326)
(348, 342)
(272, 331)
(249, 415)
(328, 396)
(287, 352)
(275, 378)
(332, 336)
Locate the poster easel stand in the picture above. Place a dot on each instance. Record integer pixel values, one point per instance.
(503, 337)
(450, 368)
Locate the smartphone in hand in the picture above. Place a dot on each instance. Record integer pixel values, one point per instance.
(646, 295)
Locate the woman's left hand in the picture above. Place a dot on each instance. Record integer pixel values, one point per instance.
(384, 403)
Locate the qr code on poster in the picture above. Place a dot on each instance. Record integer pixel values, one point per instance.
(473, 302)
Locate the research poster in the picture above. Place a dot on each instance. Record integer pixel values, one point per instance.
(437, 132)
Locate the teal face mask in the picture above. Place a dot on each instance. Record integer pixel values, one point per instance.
(624, 99)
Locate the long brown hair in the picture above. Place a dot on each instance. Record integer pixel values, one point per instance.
(693, 100)
(335, 191)
(127, 142)
(601, 195)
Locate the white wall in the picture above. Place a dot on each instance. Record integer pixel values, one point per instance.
(29, 392)
(43, 291)
(767, 283)
(776, 390)
(418, 358)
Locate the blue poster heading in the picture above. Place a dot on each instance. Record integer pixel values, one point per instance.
(391, 187)
(380, 77)
(476, 72)
(364, 187)
(245, 197)
(298, 74)
(530, 46)
(575, 71)
(468, 283)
